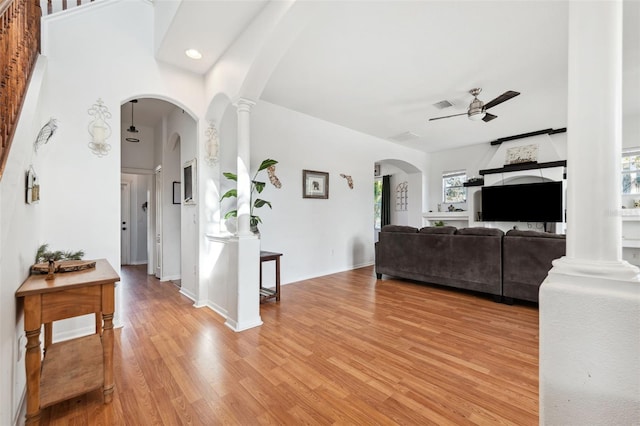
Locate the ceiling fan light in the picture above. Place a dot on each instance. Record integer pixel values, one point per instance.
(477, 116)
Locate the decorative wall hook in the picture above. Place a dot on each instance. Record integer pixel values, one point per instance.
(46, 132)
(99, 129)
(349, 180)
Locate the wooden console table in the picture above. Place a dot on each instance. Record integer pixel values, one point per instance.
(76, 366)
(268, 293)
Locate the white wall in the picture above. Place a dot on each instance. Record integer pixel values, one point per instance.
(180, 123)
(316, 236)
(21, 231)
(77, 177)
(474, 158)
(80, 195)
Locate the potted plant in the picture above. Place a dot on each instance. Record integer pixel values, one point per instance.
(256, 187)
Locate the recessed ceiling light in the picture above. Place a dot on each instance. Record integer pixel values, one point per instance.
(193, 54)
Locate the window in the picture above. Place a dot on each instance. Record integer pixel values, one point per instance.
(453, 190)
(377, 202)
(631, 172)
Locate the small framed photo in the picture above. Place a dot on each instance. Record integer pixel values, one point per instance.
(176, 192)
(315, 184)
(189, 177)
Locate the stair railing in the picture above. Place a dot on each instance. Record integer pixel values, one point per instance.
(19, 48)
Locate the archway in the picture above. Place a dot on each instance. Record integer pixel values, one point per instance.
(406, 198)
(162, 137)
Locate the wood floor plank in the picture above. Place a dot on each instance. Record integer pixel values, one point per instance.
(341, 349)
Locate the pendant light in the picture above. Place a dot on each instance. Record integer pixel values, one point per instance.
(132, 128)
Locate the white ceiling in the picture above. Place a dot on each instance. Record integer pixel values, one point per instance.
(379, 66)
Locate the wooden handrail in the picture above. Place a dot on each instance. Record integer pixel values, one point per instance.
(64, 5)
(19, 48)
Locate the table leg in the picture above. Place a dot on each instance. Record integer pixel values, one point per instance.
(107, 340)
(32, 315)
(48, 335)
(277, 279)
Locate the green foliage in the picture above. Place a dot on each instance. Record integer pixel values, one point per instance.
(256, 186)
(438, 223)
(44, 255)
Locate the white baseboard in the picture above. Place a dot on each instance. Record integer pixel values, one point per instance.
(238, 327)
(72, 334)
(217, 309)
(187, 293)
(171, 278)
(19, 416)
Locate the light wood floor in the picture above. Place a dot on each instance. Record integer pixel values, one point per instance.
(339, 349)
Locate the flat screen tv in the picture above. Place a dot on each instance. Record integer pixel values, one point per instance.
(530, 202)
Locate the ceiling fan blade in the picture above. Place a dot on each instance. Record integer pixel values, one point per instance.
(488, 117)
(447, 116)
(500, 99)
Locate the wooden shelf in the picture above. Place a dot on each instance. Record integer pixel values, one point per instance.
(524, 166)
(267, 292)
(447, 215)
(631, 242)
(71, 368)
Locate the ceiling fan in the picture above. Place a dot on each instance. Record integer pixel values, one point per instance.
(478, 109)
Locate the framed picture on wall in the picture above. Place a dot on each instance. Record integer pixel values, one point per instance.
(176, 192)
(315, 184)
(189, 177)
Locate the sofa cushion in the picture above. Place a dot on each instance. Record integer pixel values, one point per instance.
(519, 233)
(399, 228)
(490, 232)
(438, 230)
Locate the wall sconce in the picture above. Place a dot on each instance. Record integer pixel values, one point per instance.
(212, 144)
(99, 129)
(33, 186)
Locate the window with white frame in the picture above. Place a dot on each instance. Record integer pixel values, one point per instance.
(453, 190)
(631, 172)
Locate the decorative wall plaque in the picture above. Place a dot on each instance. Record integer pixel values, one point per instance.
(522, 154)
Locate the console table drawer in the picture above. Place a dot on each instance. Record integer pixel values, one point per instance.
(71, 303)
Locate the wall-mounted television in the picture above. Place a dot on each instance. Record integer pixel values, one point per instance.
(529, 202)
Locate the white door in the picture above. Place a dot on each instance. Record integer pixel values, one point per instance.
(125, 219)
(158, 269)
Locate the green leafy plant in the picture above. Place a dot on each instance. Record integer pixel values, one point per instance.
(438, 223)
(256, 188)
(45, 255)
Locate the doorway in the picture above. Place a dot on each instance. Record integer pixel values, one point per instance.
(157, 138)
(125, 227)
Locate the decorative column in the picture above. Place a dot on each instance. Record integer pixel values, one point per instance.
(243, 296)
(244, 166)
(590, 302)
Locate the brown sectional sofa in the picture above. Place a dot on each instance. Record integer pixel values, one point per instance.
(478, 259)
(469, 258)
(526, 262)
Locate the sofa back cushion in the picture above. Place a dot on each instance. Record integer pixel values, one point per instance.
(479, 231)
(438, 230)
(399, 228)
(519, 233)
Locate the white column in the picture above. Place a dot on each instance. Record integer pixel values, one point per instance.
(594, 131)
(243, 292)
(243, 107)
(590, 302)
